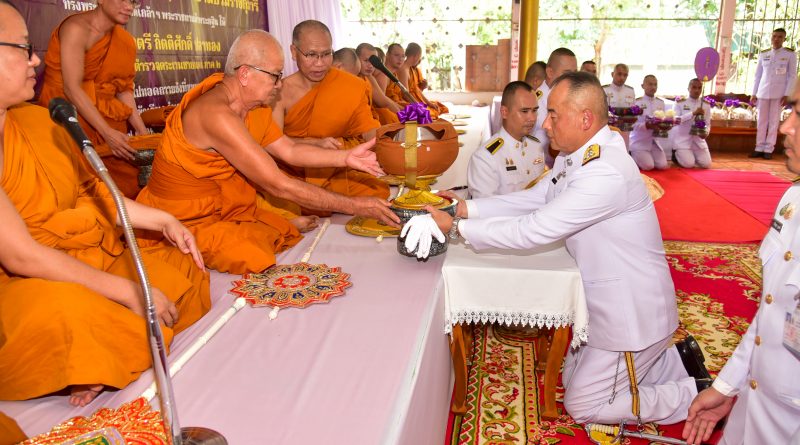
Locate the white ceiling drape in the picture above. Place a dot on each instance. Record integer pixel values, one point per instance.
(285, 14)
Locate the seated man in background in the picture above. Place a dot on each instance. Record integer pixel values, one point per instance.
(217, 149)
(90, 61)
(649, 151)
(588, 66)
(691, 150)
(759, 385)
(595, 200)
(327, 107)
(512, 159)
(383, 108)
(536, 74)
(620, 95)
(71, 308)
(417, 84)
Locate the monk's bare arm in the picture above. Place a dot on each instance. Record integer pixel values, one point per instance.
(296, 152)
(149, 218)
(218, 127)
(382, 80)
(74, 42)
(402, 75)
(22, 255)
(135, 120)
(379, 97)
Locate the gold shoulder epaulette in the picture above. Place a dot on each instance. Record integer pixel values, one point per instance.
(639, 98)
(494, 145)
(532, 137)
(606, 85)
(790, 49)
(628, 86)
(591, 153)
(766, 50)
(797, 179)
(539, 94)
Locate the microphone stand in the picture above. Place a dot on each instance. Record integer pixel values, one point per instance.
(406, 94)
(178, 436)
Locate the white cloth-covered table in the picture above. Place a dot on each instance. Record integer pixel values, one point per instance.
(538, 288)
(476, 131)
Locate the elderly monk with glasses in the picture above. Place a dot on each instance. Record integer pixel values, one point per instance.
(216, 153)
(90, 61)
(327, 107)
(71, 310)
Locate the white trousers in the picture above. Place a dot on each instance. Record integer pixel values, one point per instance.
(692, 153)
(665, 389)
(654, 157)
(769, 118)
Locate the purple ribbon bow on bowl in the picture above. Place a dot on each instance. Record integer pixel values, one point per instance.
(415, 112)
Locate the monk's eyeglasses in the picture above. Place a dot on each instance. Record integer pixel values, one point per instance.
(316, 56)
(26, 46)
(275, 76)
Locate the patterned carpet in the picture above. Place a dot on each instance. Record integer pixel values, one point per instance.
(717, 286)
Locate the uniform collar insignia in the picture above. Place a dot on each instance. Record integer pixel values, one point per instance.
(592, 152)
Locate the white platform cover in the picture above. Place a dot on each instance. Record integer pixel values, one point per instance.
(538, 288)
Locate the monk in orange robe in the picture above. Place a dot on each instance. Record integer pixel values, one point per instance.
(209, 165)
(90, 61)
(416, 83)
(70, 304)
(383, 108)
(395, 57)
(327, 107)
(346, 59)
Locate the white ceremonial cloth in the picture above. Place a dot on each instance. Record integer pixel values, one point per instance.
(539, 287)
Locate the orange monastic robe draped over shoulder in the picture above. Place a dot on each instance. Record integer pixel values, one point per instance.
(56, 334)
(395, 93)
(383, 115)
(213, 199)
(336, 107)
(414, 80)
(108, 70)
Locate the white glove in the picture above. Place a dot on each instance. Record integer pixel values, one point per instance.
(420, 231)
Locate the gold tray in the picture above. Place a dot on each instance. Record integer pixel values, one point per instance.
(358, 225)
(459, 123)
(391, 179)
(462, 116)
(460, 131)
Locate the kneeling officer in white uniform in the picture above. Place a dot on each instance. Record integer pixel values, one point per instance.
(512, 158)
(595, 199)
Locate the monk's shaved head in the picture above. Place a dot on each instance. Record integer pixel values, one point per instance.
(362, 47)
(7, 3)
(254, 47)
(308, 25)
(347, 60)
(413, 49)
(585, 91)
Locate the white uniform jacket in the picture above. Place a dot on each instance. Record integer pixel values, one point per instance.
(595, 199)
(504, 165)
(538, 132)
(761, 370)
(775, 73)
(641, 137)
(619, 97)
(679, 134)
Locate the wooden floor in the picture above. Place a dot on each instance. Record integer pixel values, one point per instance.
(740, 161)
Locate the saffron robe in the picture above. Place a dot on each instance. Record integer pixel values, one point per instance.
(383, 115)
(213, 199)
(414, 80)
(10, 432)
(108, 70)
(336, 107)
(55, 334)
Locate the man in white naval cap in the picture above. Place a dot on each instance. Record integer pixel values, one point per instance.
(595, 199)
(775, 74)
(619, 94)
(764, 370)
(512, 158)
(691, 150)
(647, 150)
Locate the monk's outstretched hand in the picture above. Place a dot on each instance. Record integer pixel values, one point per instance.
(180, 237)
(363, 158)
(375, 208)
(118, 143)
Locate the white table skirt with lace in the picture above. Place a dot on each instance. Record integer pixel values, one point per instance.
(540, 287)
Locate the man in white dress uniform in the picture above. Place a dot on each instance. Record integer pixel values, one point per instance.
(512, 158)
(561, 60)
(775, 74)
(691, 150)
(619, 94)
(764, 370)
(647, 150)
(595, 199)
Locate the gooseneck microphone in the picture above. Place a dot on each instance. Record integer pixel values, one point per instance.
(63, 113)
(376, 62)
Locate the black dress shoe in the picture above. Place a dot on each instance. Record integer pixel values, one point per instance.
(756, 154)
(692, 358)
(767, 155)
